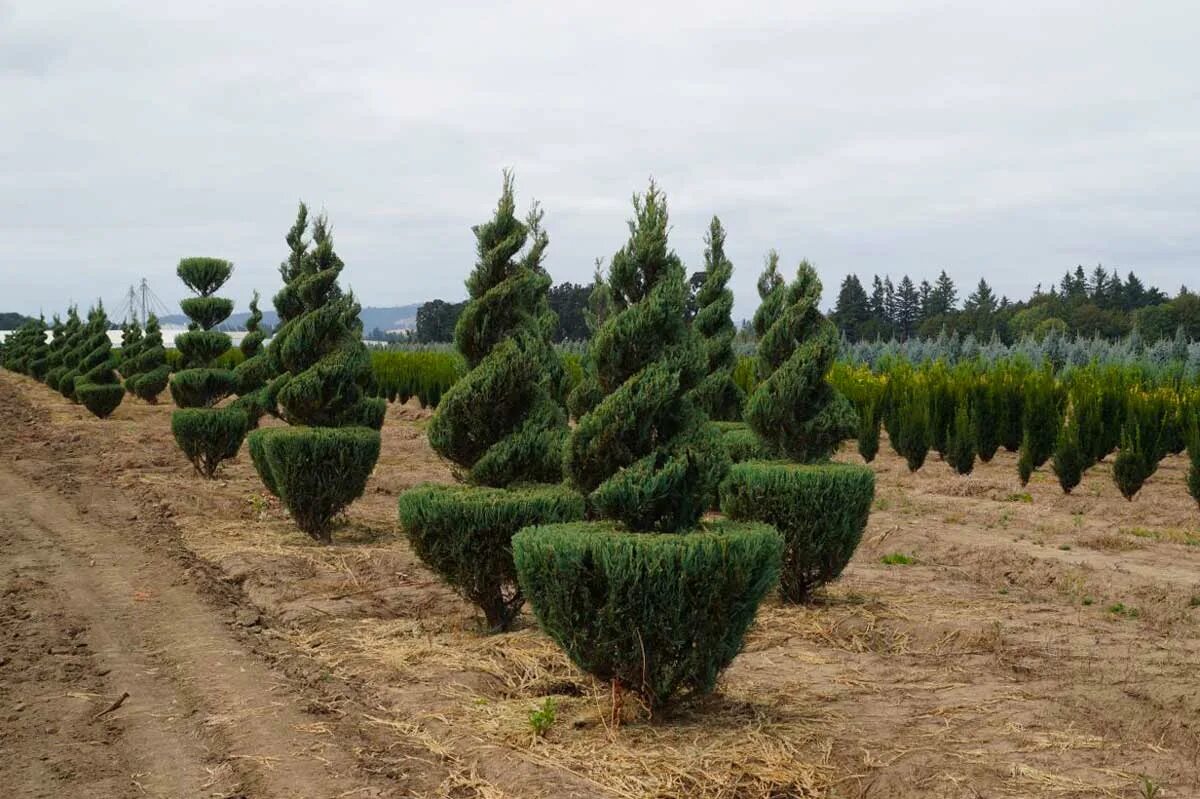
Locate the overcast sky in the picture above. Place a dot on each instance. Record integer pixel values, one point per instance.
(1012, 141)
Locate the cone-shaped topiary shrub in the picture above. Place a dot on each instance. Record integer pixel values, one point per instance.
(907, 419)
(820, 509)
(717, 394)
(321, 463)
(60, 346)
(1010, 405)
(1041, 418)
(253, 373)
(502, 423)
(25, 345)
(1069, 460)
(985, 416)
(77, 348)
(960, 440)
(148, 371)
(206, 434)
(1143, 439)
(645, 598)
(1192, 425)
(132, 340)
(97, 387)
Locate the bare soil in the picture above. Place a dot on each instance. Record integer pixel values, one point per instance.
(1037, 645)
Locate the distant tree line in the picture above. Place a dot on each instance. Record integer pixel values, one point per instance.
(12, 321)
(436, 319)
(1101, 303)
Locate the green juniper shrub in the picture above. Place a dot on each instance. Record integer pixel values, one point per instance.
(960, 440)
(1193, 450)
(742, 443)
(870, 421)
(501, 423)
(79, 345)
(252, 374)
(1070, 458)
(1010, 405)
(985, 416)
(59, 348)
(908, 421)
(464, 534)
(587, 392)
(321, 463)
(132, 338)
(97, 387)
(150, 372)
(1143, 438)
(1041, 419)
(656, 614)
(718, 395)
(641, 597)
(37, 355)
(821, 511)
(943, 403)
(199, 386)
(796, 413)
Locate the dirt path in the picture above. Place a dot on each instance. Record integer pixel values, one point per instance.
(89, 613)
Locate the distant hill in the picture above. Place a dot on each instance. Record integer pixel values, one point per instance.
(391, 318)
(11, 321)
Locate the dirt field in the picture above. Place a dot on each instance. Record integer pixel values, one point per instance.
(1036, 645)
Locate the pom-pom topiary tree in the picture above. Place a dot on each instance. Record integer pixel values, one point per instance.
(499, 425)
(206, 434)
(717, 394)
(820, 509)
(647, 598)
(147, 373)
(321, 462)
(97, 387)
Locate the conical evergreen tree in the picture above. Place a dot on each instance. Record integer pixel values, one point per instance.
(80, 345)
(794, 410)
(60, 347)
(206, 434)
(643, 598)
(500, 424)
(147, 374)
(322, 461)
(717, 394)
(587, 393)
(98, 388)
(820, 510)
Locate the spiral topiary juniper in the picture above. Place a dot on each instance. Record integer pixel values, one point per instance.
(717, 394)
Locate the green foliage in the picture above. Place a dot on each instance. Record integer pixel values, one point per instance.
(907, 419)
(897, 559)
(315, 471)
(655, 614)
(643, 454)
(794, 410)
(464, 534)
(740, 441)
(322, 463)
(542, 719)
(150, 385)
(1193, 448)
(204, 276)
(1042, 416)
(254, 372)
(1069, 460)
(503, 421)
(960, 441)
(208, 436)
(1143, 439)
(144, 367)
(985, 402)
(717, 394)
(820, 510)
(97, 386)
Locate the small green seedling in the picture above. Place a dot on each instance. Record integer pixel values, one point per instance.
(542, 719)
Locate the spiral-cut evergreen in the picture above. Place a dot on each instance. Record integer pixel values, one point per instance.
(26, 351)
(60, 346)
(819, 508)
(644, 597)
(252, 374)
(717, 394)
(643, 454)
(98, 387)
(205, 433)
(82, 343)
(794, 410)
(501, 423)
(146, 372)
(322, 463)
